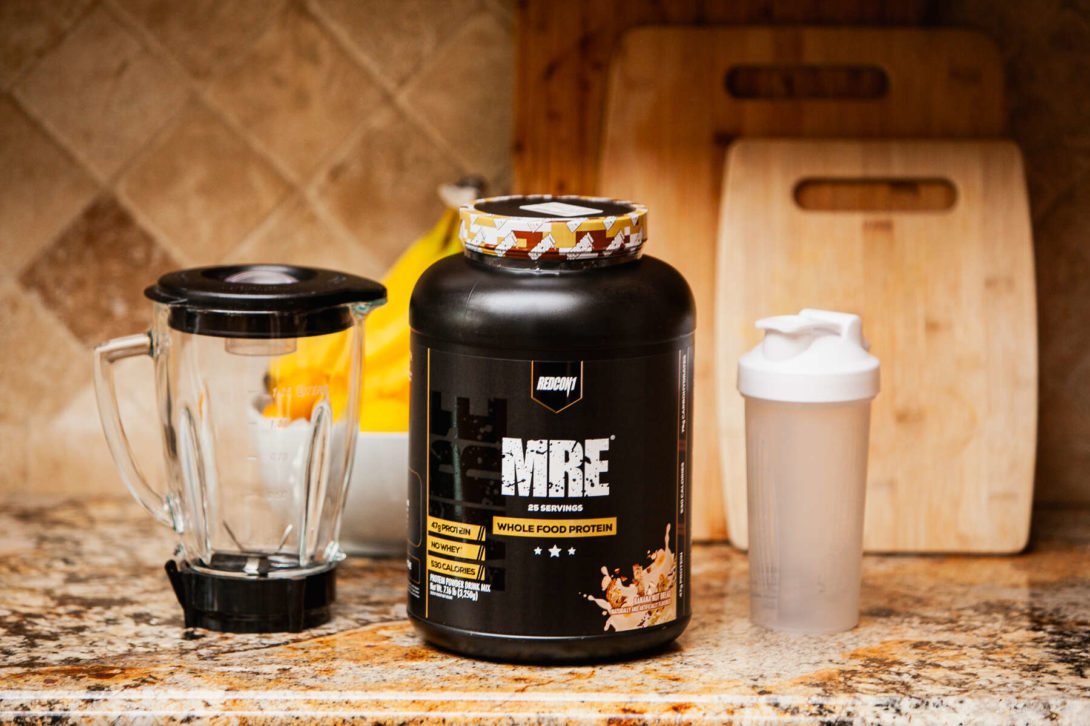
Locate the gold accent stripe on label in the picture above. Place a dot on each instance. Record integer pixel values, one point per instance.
(448, 528)
(462, 570)
(427, 466)
(521, 527)
(465, 550)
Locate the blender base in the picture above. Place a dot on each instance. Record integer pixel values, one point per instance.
(252, 605)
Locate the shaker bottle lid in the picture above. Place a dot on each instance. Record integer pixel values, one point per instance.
(817, 356)
(262, 301)
(545, 227)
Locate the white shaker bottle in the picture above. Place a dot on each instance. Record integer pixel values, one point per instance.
(808, 388)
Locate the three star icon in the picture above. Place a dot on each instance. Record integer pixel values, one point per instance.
(553, 551)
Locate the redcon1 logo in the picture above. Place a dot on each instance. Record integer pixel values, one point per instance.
(556, 384)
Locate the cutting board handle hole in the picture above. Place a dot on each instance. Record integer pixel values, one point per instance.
(875, 195)
(796, 82)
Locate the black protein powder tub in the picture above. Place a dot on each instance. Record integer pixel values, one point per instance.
(549, 498)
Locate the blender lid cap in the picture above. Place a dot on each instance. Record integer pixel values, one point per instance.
(262, 300)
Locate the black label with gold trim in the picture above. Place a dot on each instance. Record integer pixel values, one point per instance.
(549, 497)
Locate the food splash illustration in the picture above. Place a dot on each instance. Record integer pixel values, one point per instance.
(647, 598)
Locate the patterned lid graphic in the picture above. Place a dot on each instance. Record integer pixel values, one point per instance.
(544, 227)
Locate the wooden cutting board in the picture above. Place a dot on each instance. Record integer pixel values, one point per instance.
(678, 96)
(947, 297)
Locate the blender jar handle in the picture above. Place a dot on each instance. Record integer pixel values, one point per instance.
(106, 354)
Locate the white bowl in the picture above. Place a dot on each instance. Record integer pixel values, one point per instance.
(375, 512)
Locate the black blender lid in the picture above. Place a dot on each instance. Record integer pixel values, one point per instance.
(262, 301)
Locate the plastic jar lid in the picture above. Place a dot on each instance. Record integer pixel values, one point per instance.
(817, 356)
(544, 227)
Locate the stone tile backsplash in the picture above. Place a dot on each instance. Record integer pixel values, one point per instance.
(103, 243)
(400, 37)
(139, 136)
(297, 92)
(385, 182)
(42, 188)
(102, 93)
(204, 36)
(44, 364)
(202, 187)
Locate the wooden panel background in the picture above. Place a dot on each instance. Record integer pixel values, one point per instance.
(562, 54)
(669, 119)
(563, 49)
(953, 429)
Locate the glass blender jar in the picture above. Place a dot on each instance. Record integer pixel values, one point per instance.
(257, 375)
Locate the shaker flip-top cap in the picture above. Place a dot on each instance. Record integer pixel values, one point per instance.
(817, 356)
(545, 227)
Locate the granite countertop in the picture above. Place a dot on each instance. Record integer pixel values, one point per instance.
(90, 630)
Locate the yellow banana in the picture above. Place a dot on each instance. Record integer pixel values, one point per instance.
(397, 343)
(388, 379)
(384, 414)
(323, 361)
(386, 323)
